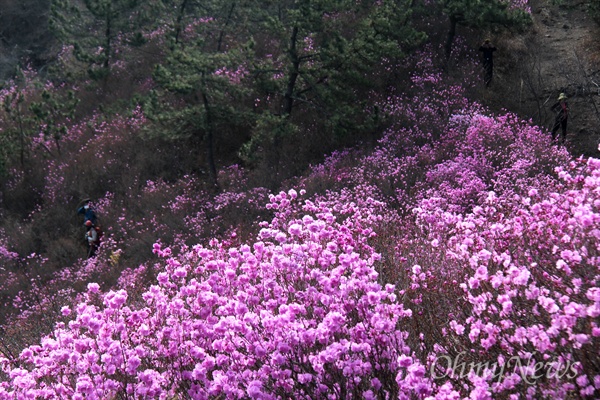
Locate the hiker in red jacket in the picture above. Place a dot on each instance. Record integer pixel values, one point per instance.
(561, 108)
(91, 237)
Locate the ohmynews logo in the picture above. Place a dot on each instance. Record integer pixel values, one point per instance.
(527, 368)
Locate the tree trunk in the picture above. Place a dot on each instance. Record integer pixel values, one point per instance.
(288, 101)
(21, 137)
(209, 138)
(108, 34)
(222, 33)
(451, 34)
(179, 20)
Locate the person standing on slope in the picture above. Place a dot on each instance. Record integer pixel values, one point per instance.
(91, 237)
(88, 212)
(488, 49)
(561, 108)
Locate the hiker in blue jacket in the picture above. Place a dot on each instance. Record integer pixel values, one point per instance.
(88, 212)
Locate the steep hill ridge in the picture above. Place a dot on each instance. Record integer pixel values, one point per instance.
(560, 53)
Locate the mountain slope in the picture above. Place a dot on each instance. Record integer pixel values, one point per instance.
(559, 54)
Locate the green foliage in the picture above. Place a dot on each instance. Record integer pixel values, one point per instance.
(268, 132)
(481, 14)
(11, 137)
(325, 56)
(95, 29)
(28, 110)
(203, 80)
(234, 63)
(177, 14)
(198, 78)
(52, 113)
(15, 125)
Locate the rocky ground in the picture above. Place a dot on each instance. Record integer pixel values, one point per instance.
(560, 53)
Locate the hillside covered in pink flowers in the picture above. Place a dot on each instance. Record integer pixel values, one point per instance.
(382, 232)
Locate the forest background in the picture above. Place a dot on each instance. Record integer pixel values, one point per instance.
(307, 198)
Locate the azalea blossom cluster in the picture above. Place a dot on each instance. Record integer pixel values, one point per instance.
(457, 259)
(531, 280)
(299, 312)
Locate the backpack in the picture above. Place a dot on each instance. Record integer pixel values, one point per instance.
(99, 232)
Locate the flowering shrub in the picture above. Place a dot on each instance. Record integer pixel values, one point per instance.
(529, 285)
(298, 313)
(457, 259)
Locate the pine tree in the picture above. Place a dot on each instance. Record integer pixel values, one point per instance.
(324, 55)
(201, 79)
(95, 28)
(481, 14)
(29, 109)
(295, 63)
(52, 113)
